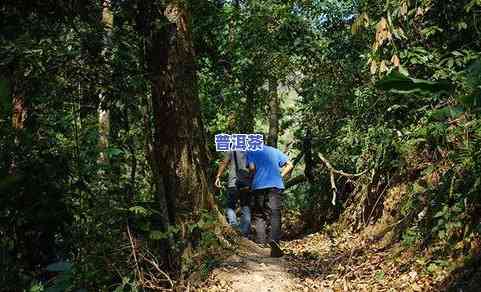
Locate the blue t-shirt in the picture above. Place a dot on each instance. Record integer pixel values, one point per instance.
(268, 163)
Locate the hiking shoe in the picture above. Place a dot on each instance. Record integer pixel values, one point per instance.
(276, 251)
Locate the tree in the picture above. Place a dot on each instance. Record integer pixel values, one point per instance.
(103, 111)
(179, 147)
(273, 113)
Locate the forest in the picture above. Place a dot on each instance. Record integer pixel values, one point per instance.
(110, 177)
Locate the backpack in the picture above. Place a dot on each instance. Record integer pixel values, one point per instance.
(243, 177)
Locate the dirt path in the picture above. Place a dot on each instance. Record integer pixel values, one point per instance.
(252, 269)
(320, 262)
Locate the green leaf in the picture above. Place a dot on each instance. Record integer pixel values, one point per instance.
(432, 268)
(112, 152)
(399, 83)
(472, 4)
(418, 189)
(139, 210)
(442, 263)
(456, 53)
(471, 100)
(379, 275)
(452, 112)
(36, 287)
(157, 235)
(59, 267)
(403, 70)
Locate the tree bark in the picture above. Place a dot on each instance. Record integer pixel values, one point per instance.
(178, 151)
(308, 159)
(179, 146)
(103, 110)
(248, 114)
(273, 113)
(19, 115)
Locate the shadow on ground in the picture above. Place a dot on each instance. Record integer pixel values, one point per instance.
(464, 279)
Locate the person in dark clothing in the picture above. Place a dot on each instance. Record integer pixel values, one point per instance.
(235, 195)
(268, 167)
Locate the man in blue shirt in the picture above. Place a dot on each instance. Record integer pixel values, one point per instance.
(268, 166)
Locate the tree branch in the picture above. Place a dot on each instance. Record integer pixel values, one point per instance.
(295, 181)
(298, 179)
(333, 171)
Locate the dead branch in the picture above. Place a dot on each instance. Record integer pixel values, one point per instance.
(134, 253)
(155, 264)
(148, 279)
(377, 201)
(332, 172)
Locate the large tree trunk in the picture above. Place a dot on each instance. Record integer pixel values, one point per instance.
(103, 110)
(179, 146)
(273, 113)
(178, 151)
(247, 116)
(194, 193)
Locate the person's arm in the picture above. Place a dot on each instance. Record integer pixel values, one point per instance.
(250, 165)
(286, 170)
(285, 164)
(252, 169)
(220, 172)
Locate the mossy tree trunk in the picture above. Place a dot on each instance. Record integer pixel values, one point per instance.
(179, 152)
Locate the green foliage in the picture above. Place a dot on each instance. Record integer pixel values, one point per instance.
(57, 202)
(159, 235)
(411, 236)
(129, 285)
(206, 227)
(379, 275)
(36, 287)
(207, 266)
(405, 108)
(392, 87)
(399, 83)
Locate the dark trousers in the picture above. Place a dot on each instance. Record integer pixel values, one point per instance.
(233, 197)
(266, 213)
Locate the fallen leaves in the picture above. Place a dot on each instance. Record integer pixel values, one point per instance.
(350, 262)
(346, 262)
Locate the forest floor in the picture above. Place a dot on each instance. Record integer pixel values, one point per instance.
(322, 262)
(251, 269)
